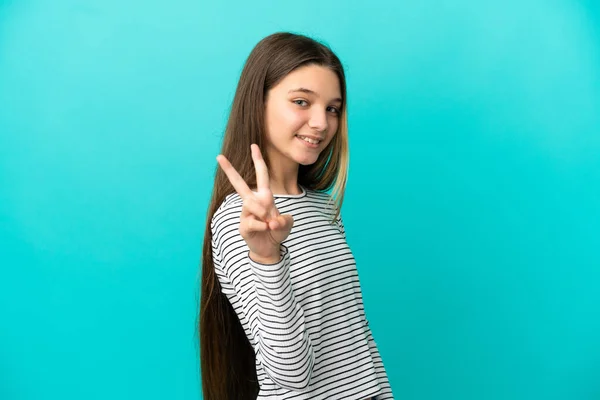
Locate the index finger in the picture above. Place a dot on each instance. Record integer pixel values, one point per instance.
(236, 180)
(262, 173)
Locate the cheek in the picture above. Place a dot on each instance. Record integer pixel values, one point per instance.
(334, 124)
(333, 127)
(289, 119)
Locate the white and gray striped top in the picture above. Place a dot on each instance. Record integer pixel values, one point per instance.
(304, 315)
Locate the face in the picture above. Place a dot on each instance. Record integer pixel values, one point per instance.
(305, 104)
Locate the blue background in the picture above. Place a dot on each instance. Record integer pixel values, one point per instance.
(472, 208)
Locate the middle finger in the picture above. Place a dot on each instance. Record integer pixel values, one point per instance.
(236, 180)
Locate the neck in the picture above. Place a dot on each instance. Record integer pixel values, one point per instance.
(285, 185)
(283, 175)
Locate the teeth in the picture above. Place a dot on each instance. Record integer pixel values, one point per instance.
(309, 140)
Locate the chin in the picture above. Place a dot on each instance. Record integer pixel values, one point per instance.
(307, 160)
(308, 163)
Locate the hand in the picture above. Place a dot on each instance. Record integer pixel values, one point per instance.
(261, 225)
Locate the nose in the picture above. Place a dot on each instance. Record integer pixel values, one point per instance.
(318, 120)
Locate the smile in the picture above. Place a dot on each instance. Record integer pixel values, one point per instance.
(309, 142)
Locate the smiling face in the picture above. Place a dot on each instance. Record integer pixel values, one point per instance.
(305, 104)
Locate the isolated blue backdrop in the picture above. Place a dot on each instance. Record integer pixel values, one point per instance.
(472, 208)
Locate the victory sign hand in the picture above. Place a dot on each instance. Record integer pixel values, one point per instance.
(261, 225)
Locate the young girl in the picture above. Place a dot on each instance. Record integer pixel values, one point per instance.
(282, 314)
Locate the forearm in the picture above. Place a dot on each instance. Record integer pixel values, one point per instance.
(286, 350)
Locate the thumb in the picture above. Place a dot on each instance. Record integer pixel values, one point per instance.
(281, 223)
(286, 221)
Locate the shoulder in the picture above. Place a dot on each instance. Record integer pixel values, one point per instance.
(321, 199)
(228, 213)
(325, 202)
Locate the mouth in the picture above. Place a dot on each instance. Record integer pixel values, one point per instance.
(311, 143)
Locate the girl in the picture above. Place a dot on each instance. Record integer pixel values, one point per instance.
(282, 314)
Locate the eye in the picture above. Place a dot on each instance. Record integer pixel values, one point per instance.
(299, 101)
(333, 110)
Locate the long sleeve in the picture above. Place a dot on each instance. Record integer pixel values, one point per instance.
(286, 348)
(303, 315)
(384, 383)
(262, 295)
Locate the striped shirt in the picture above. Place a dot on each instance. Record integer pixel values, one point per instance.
(304, 315)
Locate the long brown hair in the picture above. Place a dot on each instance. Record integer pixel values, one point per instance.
(227, 359)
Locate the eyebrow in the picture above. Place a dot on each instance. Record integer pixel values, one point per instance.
(308, 91)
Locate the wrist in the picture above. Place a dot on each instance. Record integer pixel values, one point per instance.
(271, 259)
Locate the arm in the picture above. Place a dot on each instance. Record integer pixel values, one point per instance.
(287, 352)
(283, 346)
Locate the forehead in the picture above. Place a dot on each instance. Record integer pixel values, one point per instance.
(321, 80)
